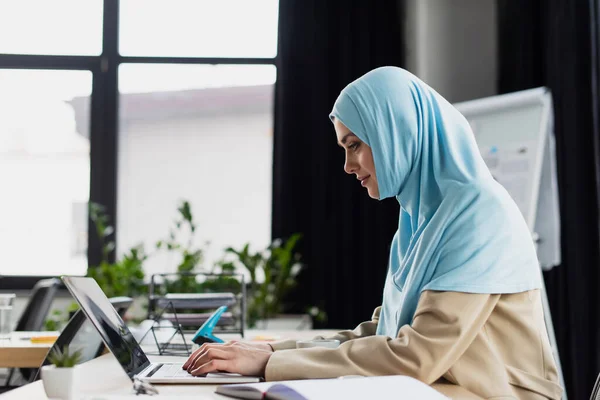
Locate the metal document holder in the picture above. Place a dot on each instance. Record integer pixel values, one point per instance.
(236, 305)
(168, 348)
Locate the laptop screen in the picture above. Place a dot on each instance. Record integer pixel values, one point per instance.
(109, 324)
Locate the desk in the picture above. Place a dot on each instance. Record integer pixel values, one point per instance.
(18, 353)
(114, 382)
(105, 376)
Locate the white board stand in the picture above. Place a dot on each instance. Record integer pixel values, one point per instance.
(515, 136)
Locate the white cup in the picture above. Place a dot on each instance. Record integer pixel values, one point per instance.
(327, 343)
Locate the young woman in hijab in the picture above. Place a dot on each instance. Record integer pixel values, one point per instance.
(461, 304)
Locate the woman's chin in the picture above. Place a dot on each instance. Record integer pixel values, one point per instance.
(374, 194)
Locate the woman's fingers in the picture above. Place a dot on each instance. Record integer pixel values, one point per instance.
(194, 357)
(198, 353)
(218, 354)
(223, 353)
(212, 360)
(211, 366)
(237, 358)
(191, 358)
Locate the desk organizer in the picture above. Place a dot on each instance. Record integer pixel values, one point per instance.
(194, 297)
(168, 347)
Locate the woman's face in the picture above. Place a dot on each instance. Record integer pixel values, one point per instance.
(359, 158)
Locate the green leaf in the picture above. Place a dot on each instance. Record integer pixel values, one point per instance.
(186, 211)
(64, 358)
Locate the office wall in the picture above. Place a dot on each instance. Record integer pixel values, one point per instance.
(451, 45)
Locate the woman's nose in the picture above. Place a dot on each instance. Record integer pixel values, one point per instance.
(349, 166)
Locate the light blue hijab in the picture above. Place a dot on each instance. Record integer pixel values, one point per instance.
(459, 230)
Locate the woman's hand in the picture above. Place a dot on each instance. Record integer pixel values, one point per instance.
(242, 358)
(255, 345)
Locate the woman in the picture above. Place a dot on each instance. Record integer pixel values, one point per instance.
(461, 305)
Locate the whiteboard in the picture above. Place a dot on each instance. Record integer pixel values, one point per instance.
(514, 133)
(515, 136)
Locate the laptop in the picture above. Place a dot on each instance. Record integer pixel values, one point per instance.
(119, 340)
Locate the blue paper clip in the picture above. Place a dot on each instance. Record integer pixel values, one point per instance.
(205, 333)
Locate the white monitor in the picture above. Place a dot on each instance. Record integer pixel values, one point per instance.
(515, 137)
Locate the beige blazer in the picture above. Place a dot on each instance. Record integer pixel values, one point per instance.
(491, 346)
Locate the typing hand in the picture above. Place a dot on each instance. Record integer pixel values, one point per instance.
(242, 358)
(258, 346)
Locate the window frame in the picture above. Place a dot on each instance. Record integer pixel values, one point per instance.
(104, 118)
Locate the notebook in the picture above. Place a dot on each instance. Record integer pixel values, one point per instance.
(377, 387)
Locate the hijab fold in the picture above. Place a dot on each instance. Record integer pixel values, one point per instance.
(459, 230)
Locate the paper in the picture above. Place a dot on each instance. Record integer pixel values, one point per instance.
(138, 397)
(380, 387)
(394, 387)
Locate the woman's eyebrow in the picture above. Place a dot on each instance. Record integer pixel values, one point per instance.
(345, 138)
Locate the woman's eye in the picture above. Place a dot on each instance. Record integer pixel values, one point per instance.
(353, 146)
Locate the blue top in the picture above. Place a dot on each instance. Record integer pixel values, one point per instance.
(459, 230)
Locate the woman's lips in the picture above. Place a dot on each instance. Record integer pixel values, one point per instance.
(363, 181)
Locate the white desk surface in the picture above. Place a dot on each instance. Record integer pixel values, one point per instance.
(103, 377)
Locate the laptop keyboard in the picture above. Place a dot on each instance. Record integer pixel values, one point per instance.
(171, 371)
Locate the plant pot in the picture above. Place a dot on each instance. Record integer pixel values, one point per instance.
(60, 383)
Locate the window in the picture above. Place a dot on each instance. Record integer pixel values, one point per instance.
(198, 133)
(199, 28)
(64, 27)
(44, 170)
(189, 128)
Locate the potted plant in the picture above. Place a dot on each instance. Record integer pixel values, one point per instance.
(60, 377)
(124, 277)
(181, 241)
(121, 278)
(273, 273)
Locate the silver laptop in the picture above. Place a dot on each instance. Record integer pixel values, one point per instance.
(125, 348)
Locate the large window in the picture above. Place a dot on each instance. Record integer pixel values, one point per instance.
(65, 27)
(197, 133)
(178, 108)
(199, 28)
(45, 172)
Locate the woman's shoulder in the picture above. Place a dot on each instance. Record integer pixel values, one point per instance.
(489, 191)
(483, 216)
(480, 201)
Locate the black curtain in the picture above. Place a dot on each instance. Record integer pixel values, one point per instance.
(554, 43)
(324, 45)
